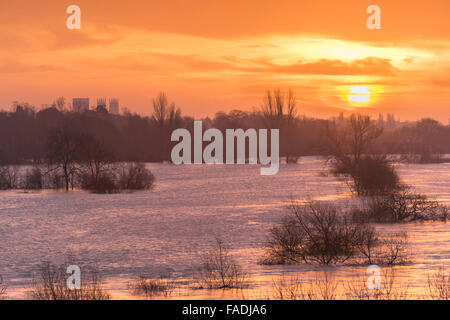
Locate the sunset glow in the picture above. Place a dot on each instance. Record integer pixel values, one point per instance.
(216, 158)
(224, 55)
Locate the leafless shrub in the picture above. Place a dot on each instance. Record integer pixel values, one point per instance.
(219, 270)
(152, 287)
(394, 249)
(50, 283)
(358, 289)
(439, 285)
(314, 233)
(374, 176)
(64, 146)
(348, 143)
(135, 176)
(370, 175)
(3, 287)
(97, 171)
(287, 288)
(283, 246)
(368, 244)
(106, 177)
(402, 206)
(323, 287)
(103, 182)
(323, 234)
(389, 249)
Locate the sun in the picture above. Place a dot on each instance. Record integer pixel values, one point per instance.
(359, 95)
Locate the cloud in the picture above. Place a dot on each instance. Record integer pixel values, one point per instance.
(234, 50)
(195, 62)
(402, 20)
(368, 66)
(11, 66)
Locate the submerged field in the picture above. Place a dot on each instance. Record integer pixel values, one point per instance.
(167, 229)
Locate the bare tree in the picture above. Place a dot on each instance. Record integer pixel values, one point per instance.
(279, 111)
(272, 109)
(165, 117)
(278, 108)
(135, 176)
(348, 141)
(97, 170)
(348, 144)
(219, 270)
(63, 152)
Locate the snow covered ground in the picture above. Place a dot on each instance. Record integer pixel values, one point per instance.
(167, 229)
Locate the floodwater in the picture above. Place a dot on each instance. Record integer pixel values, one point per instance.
(167, 229)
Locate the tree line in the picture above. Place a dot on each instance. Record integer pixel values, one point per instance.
(28, 136)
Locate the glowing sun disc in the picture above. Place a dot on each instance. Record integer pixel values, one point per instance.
(359, 95)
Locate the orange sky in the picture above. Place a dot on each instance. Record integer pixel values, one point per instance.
(222, 55)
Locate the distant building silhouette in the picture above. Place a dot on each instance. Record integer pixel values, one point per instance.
(114, 106)
(80, 104)
(101, 103)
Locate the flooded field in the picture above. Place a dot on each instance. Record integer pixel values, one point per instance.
(167, 229)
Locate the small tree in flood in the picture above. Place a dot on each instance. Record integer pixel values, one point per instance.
(348, 144)
(314, 233)
(403, 205)
(135, 176)
(374, 176)
(323, 234)
(50, 283)
(97, 171)
(63, 152)
(219, 270)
